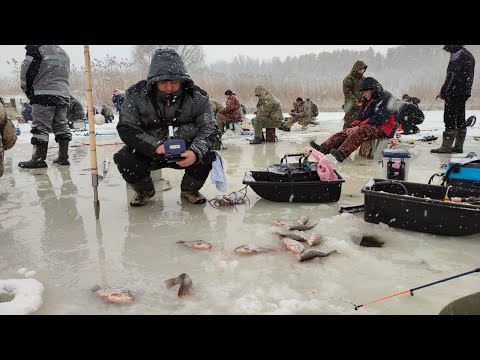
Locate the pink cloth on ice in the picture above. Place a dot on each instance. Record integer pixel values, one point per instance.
(324, 167)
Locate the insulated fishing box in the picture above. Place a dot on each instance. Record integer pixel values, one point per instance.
(461, 172)
(422, 207)
(294, 182)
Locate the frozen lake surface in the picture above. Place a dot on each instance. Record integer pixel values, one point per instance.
(48, 233)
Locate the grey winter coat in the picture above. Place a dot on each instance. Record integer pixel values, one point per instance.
(44, 75)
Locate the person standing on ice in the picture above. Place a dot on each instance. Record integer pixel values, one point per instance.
(168, 98)
(456, 90)
(44, 77)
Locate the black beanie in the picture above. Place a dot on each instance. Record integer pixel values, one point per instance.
(299, 99)
(229, 92)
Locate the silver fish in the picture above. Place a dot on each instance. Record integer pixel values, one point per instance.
(301, 227)
(293, 245)
(313, 253)
(291, 235)
(114, 295)
(302, 220)
(196, 244)
(251, 249)
(186, 284)
(315, 239)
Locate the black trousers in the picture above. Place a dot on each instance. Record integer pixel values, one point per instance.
(454, 113)
(135, 167)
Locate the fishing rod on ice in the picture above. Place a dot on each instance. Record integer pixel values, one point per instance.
(432, 104)
(415, 289)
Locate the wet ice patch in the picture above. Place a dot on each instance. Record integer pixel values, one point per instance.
(228, 265)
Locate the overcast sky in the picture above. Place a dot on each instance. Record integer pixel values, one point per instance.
(213, 52)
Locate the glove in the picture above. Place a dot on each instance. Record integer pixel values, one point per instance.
(355, 123)
(359, 104)
(364, 122)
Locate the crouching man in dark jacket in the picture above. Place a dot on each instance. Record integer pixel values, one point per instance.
(376, 119)
(167, 98)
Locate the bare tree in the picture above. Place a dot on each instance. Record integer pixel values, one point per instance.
(192, 55)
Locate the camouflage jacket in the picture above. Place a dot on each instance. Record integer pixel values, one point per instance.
(351, 86)
(216, 106)
(268, 105)
(7, 135)
(301, 110)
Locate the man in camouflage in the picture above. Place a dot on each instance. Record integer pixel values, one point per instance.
(7, 135)
(351, 85)
(168, 98)
(300, 113)
(216, 106)
(268, 114)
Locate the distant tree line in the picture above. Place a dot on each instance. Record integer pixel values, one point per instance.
(418, 70)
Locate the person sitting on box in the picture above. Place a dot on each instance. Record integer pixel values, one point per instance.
(376, 119)
(168, 98)
(268, 114)
(232, 112)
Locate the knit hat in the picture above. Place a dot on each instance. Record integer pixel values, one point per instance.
(299, 99)
(229, 92)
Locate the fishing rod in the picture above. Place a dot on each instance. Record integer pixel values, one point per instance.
(432, 104)
(415, 289)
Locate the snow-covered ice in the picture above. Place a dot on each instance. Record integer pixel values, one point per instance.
(47, 223)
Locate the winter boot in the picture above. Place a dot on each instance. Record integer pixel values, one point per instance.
(337, 154)
(320, 148)
(460, 135)
(39, 155)
(62, 158)
(195, 197)
(144, 190)
(446, 148)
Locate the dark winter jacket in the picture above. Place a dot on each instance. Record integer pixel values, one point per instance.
(44, 75)
(381, 110)
(146, 112)
(410, 114)
(27, 112)
(75, 110)
(460, 72)
(107, 113)
(117, 99)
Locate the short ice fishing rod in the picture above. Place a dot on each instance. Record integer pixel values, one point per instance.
(432, 103)
(417, 288)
